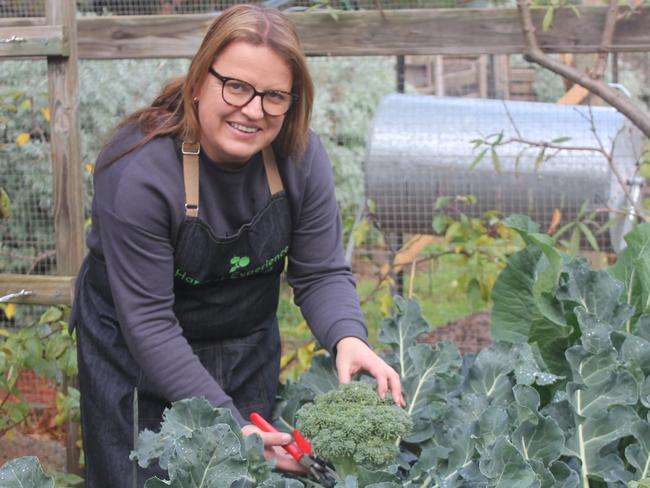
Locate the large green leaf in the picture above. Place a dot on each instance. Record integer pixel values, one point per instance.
(24, 472)
(489, 376)
(401, 331)
(550, 270)
(525, 408)
(557, 475)
(525, 312)
(504, 465)
(543, 441)
(595, 291)
(514, 304)
(595, 433)
(432, 375)
(635, 350)
(525, 307)
(321, 376)
(211, 458)
(179, 421)
(633, 269)
(600, 382)
(638, 454)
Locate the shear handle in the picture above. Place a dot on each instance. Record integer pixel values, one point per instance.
(265, 426)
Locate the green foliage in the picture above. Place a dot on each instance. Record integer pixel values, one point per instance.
(203, 447)
(351, 427)
(108, 90)
(347, 93)
(483, 242)
(25, 174)
(530, 411)
(592, 328)
(44, 347)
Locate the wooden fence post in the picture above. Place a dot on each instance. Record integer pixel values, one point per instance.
(63, 87)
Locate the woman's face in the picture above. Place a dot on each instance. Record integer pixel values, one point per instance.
(232, 135)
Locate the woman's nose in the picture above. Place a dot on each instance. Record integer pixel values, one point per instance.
(253, 109)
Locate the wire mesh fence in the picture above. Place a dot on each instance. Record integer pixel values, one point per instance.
(36, 8)
(349, 92)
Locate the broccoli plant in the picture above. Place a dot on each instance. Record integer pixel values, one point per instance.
(352, 427)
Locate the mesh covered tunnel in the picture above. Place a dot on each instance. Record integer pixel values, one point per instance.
(420, 148)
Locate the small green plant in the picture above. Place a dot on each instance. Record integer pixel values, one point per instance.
(352, 427)
(484, 243)
(44, 347)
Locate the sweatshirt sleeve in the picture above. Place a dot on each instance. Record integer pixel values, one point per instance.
(323, 284)
(133, 212)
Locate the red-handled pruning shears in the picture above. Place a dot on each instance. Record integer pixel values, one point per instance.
(302, 452)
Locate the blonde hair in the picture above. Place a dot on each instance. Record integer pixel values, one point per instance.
(174, 111)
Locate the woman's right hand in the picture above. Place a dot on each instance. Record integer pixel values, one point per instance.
(273, 442)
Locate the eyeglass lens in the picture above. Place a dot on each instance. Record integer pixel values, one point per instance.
(239, 93)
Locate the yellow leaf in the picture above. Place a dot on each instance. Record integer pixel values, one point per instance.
(10, 310)
(286, 359)
(22, 139)
(90, 168)
(46, 113)
(385, 305)
(304, 356)
(5, 205)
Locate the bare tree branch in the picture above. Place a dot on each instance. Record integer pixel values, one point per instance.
(598, 71)
(533, 53)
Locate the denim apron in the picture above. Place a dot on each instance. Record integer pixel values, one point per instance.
(226, 296)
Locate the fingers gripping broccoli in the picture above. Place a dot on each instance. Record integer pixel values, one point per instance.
(352, 427)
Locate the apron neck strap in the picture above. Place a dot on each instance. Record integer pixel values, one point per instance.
(271, 169)
(191, 175)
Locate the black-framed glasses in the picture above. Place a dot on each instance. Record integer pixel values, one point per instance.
(238, 93)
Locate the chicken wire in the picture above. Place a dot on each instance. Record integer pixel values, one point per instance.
(343, 86)
(423, 147)
(36, 8)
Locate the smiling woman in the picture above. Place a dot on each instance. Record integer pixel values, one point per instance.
(233, 114)
(200, 200)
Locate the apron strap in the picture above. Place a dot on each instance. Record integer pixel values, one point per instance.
(191, 175)
(272, 173)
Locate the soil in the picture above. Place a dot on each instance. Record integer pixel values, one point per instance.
(38, 435)
(470, 334)
(50, 453)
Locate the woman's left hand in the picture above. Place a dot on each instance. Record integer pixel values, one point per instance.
(353, 356)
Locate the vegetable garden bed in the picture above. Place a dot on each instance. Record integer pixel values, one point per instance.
(561, 398)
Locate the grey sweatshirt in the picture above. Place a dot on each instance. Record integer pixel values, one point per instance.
(137, 210)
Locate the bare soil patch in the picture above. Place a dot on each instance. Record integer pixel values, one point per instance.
(470, 334)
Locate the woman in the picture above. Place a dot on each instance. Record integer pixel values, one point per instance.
(198, 200)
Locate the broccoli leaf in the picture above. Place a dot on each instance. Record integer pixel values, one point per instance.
(24, 471)
(211, 458)
(401, 332)
(432, 375)
(504, 465)
(632, 268)
(321, 376)
(179, 421)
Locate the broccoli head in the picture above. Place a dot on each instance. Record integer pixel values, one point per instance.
(352, 427)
